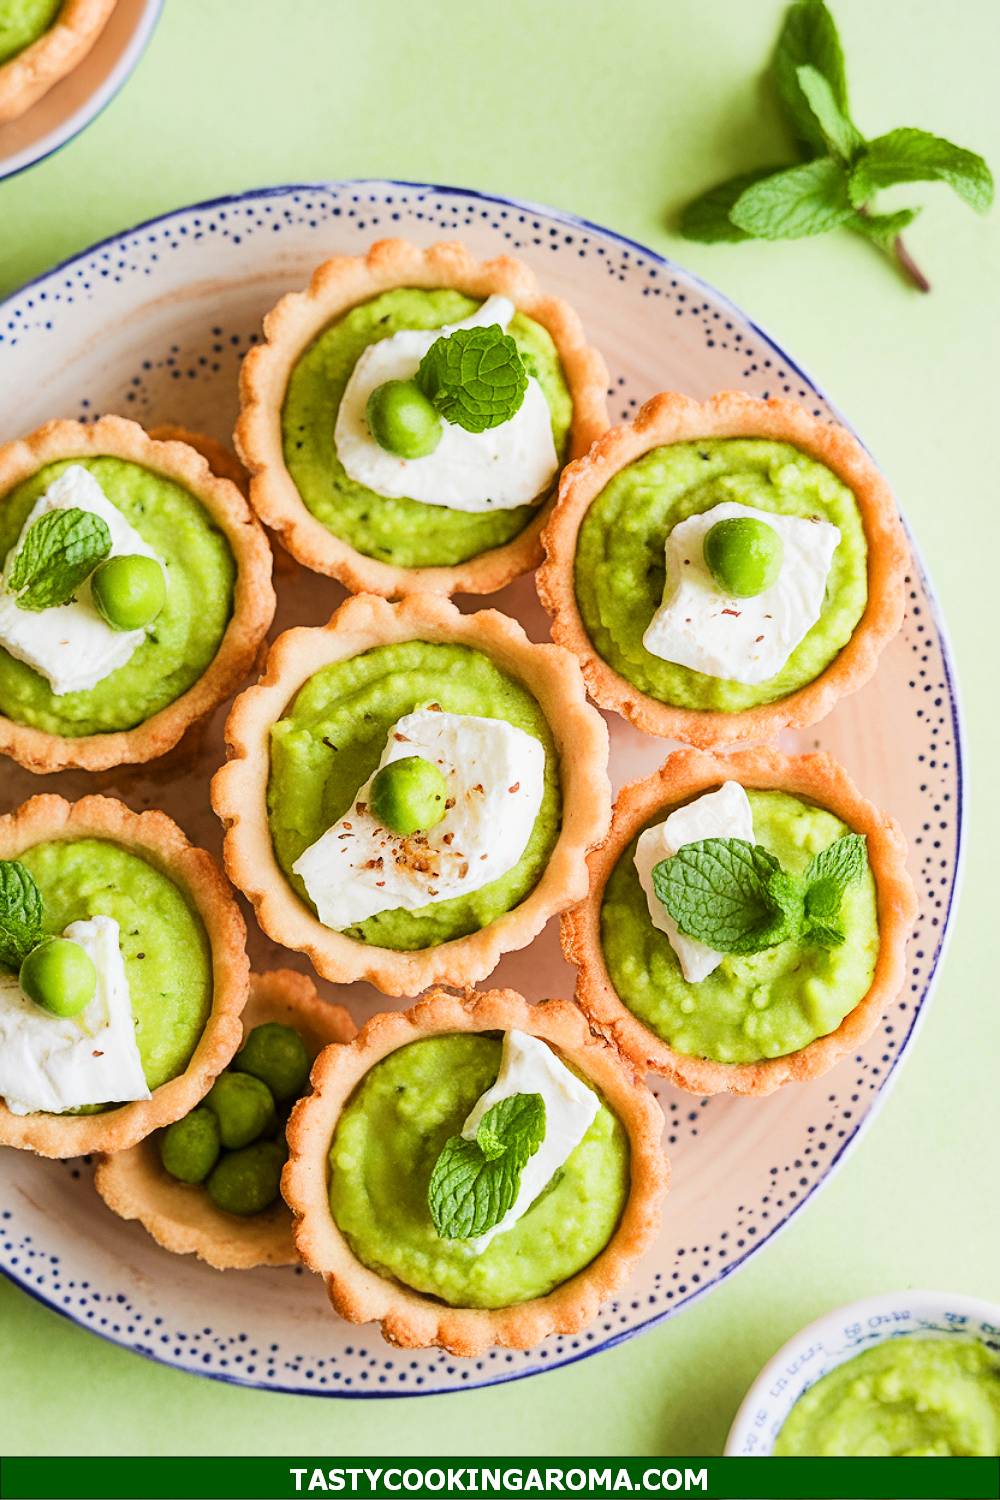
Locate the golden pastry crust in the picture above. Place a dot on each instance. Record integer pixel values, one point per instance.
(672, 418)
(687, 774)
(239, 788)
(337, 286)
(158, 840)
(253, 603)
(31, 73)
(408, 1318)
(182, 1217)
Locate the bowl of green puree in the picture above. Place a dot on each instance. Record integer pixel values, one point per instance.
(902, 1375)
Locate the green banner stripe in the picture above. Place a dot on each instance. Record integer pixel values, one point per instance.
(498, 1478)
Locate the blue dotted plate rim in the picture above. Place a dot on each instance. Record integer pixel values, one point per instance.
(573, 221)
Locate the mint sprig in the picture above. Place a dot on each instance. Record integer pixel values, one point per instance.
(475, 377)
(837, 183)
(59, 552)
(475, 1183)
(735, 897)
(20, 914)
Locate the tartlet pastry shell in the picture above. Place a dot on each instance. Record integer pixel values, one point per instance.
(253, 602)
(408, 1318)
(673, 418)
(338, 285)
(31, 73)
(239, 789)
(181, 1217)
(687, 774)
(158, 840)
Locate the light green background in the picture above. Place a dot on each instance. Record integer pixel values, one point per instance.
(617, 110)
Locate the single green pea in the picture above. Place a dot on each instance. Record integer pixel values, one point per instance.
(276, 1055)
(409, 795)
(743, 555)
(248, 1181)
(243, 1106)
(402, 420)
(189, 1148)
(59, 976)
(128, 591)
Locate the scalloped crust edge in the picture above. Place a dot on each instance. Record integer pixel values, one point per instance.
(158, 840)
(408, 1318)
(338, 285)
(29, 74)
(239, 788)
(253, 603)
(686, 774)
(673, 418)
(182, 1218)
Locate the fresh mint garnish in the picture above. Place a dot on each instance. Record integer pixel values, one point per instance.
(475, 1183)
(837, 183)
(475, 377)
(59, 552)
(735, 897)
(20, 914)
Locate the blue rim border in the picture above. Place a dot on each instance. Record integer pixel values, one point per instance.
(957, 721)
(84, 124)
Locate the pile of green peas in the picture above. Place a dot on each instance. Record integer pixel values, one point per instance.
(234, 1142)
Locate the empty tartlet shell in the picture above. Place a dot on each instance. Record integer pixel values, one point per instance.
(158, 840)
(409, 1318)
(181, 1216)
(239, 788)
(294, 322)
(673, 418)
(29, 74)
(253, 602)
(687, 774)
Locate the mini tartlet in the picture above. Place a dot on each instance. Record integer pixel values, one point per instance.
(819, 786)
(344, 286)
(40, 829)
(412, 1319)
(180, 1216)
(29, 73)
(422, 648)
(860, 612)
(211, 528)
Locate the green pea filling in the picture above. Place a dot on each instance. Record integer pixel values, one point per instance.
(905, 1398)
(755, 1006)
(23, 22)
(187, 631)
(330, 741)
(163, 942)
(620, 565)
(404, 532)
(387, 1140)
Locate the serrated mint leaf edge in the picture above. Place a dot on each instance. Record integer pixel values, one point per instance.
(804, 200)
(42, 576)
(452, 1214)
(907, 154)
(21, 913)
(449, 389)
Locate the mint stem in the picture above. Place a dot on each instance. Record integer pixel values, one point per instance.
(908, 265)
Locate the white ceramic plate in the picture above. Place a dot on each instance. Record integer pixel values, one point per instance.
(153, 323)
(76, 100)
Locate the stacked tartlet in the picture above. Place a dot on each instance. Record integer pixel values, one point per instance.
(412, 792)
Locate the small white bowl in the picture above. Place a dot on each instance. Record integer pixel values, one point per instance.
(837, 1337)
(76, 100)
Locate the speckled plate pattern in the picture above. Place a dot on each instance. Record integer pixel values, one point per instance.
(153, 324)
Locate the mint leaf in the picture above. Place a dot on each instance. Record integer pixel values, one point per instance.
(20, 913)
(883, 229)
(475, 377)
(840, 136)
(908, 155)
(729, 894)
(707, 218)
(809, 39)
(826, 879)
(475, 1183)
(803, 200)
(60, 550)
